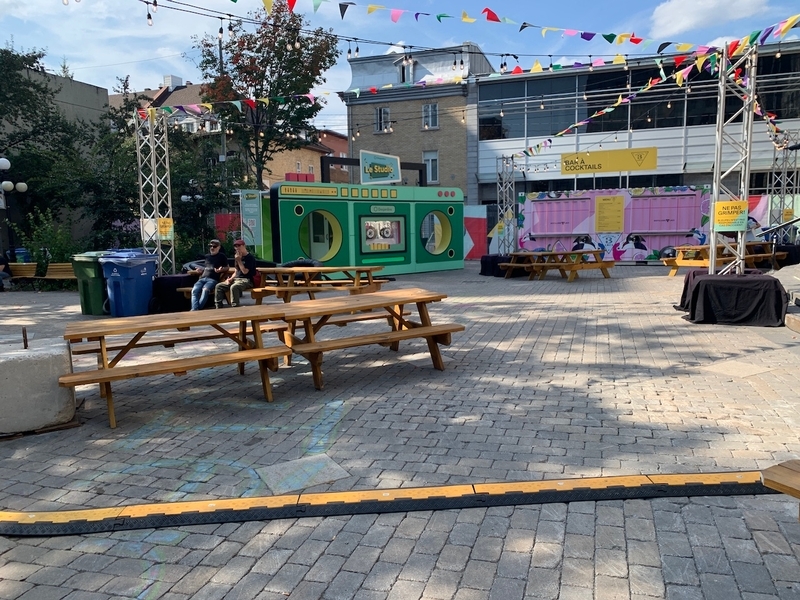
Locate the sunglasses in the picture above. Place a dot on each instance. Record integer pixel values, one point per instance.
(213, 246)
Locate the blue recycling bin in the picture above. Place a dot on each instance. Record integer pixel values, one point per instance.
(129, 281)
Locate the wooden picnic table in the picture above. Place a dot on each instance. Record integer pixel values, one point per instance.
(314, 314)
(112, 339)
(700, 256)
(286, 282)
(566, 261)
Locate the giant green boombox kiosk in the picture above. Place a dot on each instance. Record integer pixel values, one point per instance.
(405, 229)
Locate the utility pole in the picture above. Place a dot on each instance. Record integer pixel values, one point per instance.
(223, 155)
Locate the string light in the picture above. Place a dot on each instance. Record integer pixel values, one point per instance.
(149, 18)
(551, 62)
(220, 32)
(669, 104)
(501, 112)
(541, 103)
(615, 137)
(591, 68)
(356, 50)
(155, 5)
(778, 53)
(463, 117)
(626, 65)
(349, 53)
(462, 63)
(230, 28)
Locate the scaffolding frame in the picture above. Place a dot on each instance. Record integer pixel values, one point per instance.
(784, 186)
(507, 206)
(736, 139)
(155, 191)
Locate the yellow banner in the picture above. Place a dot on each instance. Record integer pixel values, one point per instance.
(610, 161)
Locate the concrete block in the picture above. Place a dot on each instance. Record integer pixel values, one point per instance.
(30, 397)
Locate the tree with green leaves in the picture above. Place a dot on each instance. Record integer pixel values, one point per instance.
(270, 73)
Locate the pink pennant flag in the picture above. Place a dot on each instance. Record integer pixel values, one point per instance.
(570, 32)
(598, 62)
(310, 97)
(396, 14)
(194, 108)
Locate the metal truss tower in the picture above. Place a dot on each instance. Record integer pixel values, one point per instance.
(784, 185)
(506, 205)
(737, 85)
(155, 195)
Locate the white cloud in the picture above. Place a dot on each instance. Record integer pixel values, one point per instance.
(674, 17)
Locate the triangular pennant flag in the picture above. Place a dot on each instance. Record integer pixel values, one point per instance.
(466, 18)
(357, 92)
(598, 62)
(236, 103)
(753, 37)
(268, 5)
(441, 16)
(570, 32)
(416, 15)
(663, 46)
(732, 47)
(509, 21)
(618, 60)
(250, 102)
(180, 108)
(712, 63)
(517, 70)
(291, 4)
(588, 36)
(310, 97)
(194, 108)
(546, 29)
(490, 15)
(635, 40)
(679, 78)
(660, 64)
(537, 67)
(701, 58)
(371, 8)
(646, 43)
(208, 106)
(609, 37)
(264, 101)
(577, 64)
(557, 67)
(765, 35)
(396, 14)
(789, 24)
(525, 25)
(343, 6)
(623, 37)
(167, 109)
(619, 101)
(679, 60)
(151, 114)
(740, 48)
(142, 113)
(373, 90)
(683, 47)
(317, 4)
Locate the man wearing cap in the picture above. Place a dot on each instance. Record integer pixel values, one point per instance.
(242, 278)
(215, 264)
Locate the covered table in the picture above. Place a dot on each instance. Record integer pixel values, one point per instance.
(738, 300)
(689, 283)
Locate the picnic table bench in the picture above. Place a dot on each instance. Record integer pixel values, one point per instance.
(287, 282)
(700, 256)
(314, 314)
(568, 263)
(783, 477)
(133, 329)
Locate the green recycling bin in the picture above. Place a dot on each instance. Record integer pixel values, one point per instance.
(91, 283)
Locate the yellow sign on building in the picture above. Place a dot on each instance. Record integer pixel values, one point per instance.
(609, 213)
(610, 161)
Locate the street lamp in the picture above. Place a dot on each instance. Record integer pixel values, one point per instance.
(8, 186)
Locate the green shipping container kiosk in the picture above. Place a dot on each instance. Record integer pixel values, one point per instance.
(405, 229)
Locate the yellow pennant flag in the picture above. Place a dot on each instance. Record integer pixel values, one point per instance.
(546, 29)
(373, 7)
(264, 100)
(466, 18)
(790, 22)
(151, 114)
(740, 48)
(268, 5)
(700, 60)
(618, 60)
(623, 37)
(208, 105)
(683, 47)
(537, 67)
(679, 78)
(619, 101)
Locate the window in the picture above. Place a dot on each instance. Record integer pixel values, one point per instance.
(343, 155)
(405, 71)
(298, 167)
(382, 120)
(311, 169)
(430, 116)
(431, 160)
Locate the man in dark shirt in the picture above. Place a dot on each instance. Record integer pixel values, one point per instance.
(216, 263)
(242, 278)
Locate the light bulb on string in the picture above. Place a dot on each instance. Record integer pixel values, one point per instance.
(591, 66)
(349, 53)
(230, 29)
(626, 64)
(297, 44)
(462, 64)
(463, 118)
(541, 103)
(358, 133)
(65, 2)
(778, 53)
(502, 114)
(220, 32)
(615, 137)
(551, 62)
(356, 51)
(149, 19)
(155, 5)
(669, 104)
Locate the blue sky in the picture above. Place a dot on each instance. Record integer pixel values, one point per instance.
(101, 40)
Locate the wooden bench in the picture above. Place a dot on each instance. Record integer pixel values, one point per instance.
(177, 367)
(433, 334)
(783, 477)
(57, 271)
(542, 268)
(22, 273)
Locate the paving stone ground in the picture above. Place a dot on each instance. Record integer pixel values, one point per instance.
(550, 380)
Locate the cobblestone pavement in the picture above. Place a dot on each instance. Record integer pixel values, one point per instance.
(550, 380)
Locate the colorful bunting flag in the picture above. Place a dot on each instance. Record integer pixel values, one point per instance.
(525, 25)
(268, 6)
(396, 14)
(466, 18)
(490, 15)
(343, 6)
(588, 36)
(537, 67)
(441, 16)
(416, 15)
(371, 8)
(317, 4)
(609, 37)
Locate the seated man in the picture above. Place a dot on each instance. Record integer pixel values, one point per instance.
(216, 263)
(242, 278)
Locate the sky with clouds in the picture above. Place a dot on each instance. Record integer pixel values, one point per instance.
(103, 40)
